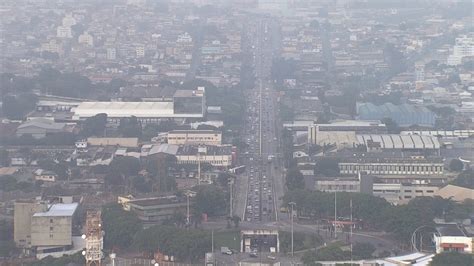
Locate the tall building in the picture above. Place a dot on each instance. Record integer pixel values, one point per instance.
(111, 53)
(23, 213)
(464, 47)
(43, 227)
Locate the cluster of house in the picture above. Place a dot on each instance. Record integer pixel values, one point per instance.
(99, 43)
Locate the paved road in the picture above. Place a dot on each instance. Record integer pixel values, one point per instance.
(263, 176)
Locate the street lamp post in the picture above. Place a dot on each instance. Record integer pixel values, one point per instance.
(292, 204)
(335, 214)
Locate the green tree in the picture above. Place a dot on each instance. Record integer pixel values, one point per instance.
(4, 158)
(120, 226)
(76, 259)
(392, 126)
(294, 179)
(8, 183)
(150, 131)
(362, 251)
(17, 107)
(125, 166)
(210, 199)
(94, 126)
(236, 220)
(456, 165)
(130, 127)
(448, 258)
(141, 184)
(187, 245)
(327, 166)
(465, 179)
(330, 252)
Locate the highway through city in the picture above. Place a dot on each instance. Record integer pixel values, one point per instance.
(263, 181)
(260, 189)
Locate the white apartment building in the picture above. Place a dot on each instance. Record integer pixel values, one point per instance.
(464, 47)
(86, 38)
(69, 20)
(200, 137)
(63, 32)
(140, 51)
(111, 53)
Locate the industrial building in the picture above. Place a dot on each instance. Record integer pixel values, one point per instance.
(392, 166)
(40, 127)
(398, 142)
(400, 193)
(404, 115)
(388, 163)
(196, 137)
(153, 211)
(184, 104)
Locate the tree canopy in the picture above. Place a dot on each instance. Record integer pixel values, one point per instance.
(377, 213)
(465, 179)
(120, 226)
(450, 258)
(187, 245)
(456, 165)
(210, 199)
(94, 126)
(130, 127)
(16, 107)
(294, 179)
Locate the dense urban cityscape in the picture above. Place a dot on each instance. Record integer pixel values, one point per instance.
(237, 132)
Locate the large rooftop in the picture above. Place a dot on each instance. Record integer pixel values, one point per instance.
(58, 209)
(450, 229)
(128, 109)
(394, 141)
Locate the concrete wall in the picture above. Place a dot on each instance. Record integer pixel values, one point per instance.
(23, 211)
(51, 231)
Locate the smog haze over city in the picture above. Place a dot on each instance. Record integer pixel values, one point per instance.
(236, 132)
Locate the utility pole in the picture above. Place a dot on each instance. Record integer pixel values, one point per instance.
(187, 209)
(335, 214)
(350, 239)
(260, 117)
(292, 204)
(231, 196)
(199, 168)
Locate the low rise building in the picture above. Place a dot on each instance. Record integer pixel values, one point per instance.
(451, 238)
(390, 164)
(45, 175)
(153, 211)
(196, 137)
(39, 128)
(51, 230)
(44, 227)
(398, 194)
(218, 156)
(357, 184)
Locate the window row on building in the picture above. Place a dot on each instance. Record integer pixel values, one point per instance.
(392, 169)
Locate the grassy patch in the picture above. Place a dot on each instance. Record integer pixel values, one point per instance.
(229, 239)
